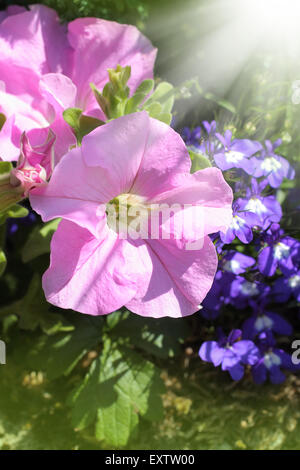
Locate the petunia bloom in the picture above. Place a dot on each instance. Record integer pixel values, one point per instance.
(132, 163)
(46, 67)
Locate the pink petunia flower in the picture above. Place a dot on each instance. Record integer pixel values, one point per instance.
(36, 161)
(133, 162)
(46, 67)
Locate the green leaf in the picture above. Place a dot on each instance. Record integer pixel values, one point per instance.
(2, 120)
(72, 116)
(163, 94)
(5, 168)
(33, 311)
(81, 124)
(221, 102)
(2, 262)
(59, 354)
(145, 87)
(15, 211)
(154, 109)
(118, 389)
(165, 117)
(38, 242)
(87, 124)
(160, 337)
(9, 195)
(133, 103)
(199, 161)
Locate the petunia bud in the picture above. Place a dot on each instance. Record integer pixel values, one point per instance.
(35, 164)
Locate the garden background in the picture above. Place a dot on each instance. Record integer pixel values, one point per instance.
(49, 351)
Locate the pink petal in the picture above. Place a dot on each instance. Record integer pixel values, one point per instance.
(76, 192)
(35, 39)
(179, 282)
(99, 45)
(141, 154)
(208, 191)
(90, 276)
(20, 117)
(11, 10)
(58, 90)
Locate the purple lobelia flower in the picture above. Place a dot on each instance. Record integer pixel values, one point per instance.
(267, 208)
(279, 252)
(241, 225)
(13, 224)
(285, 287)
(236, 262)
(230, 353)
(271, 361)
(242, 292)
(213, 302)
(236, 153)
(263, 320)
(210, 127)
(272, 166)
(192, 137)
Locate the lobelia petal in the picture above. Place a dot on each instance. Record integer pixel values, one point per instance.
(210, 351)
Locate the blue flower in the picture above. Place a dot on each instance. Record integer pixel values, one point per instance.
(273, 166)
(285, 287)
(262, 320)
(236, 262)
(230, 353)
(279, 251)
(13, 224)
(236, 153)
(191, 137)
(242, 292)
(267, 208)
(271, 361)
(241, 225)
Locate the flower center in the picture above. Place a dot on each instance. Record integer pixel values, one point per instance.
(237, 222)
(270, 164)
(294, 281)
(281, 251)
(249, 289)
(126, 211)
(263, 322)
(234, 156)
(255, 205)
(231, 265)
(271, 359)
